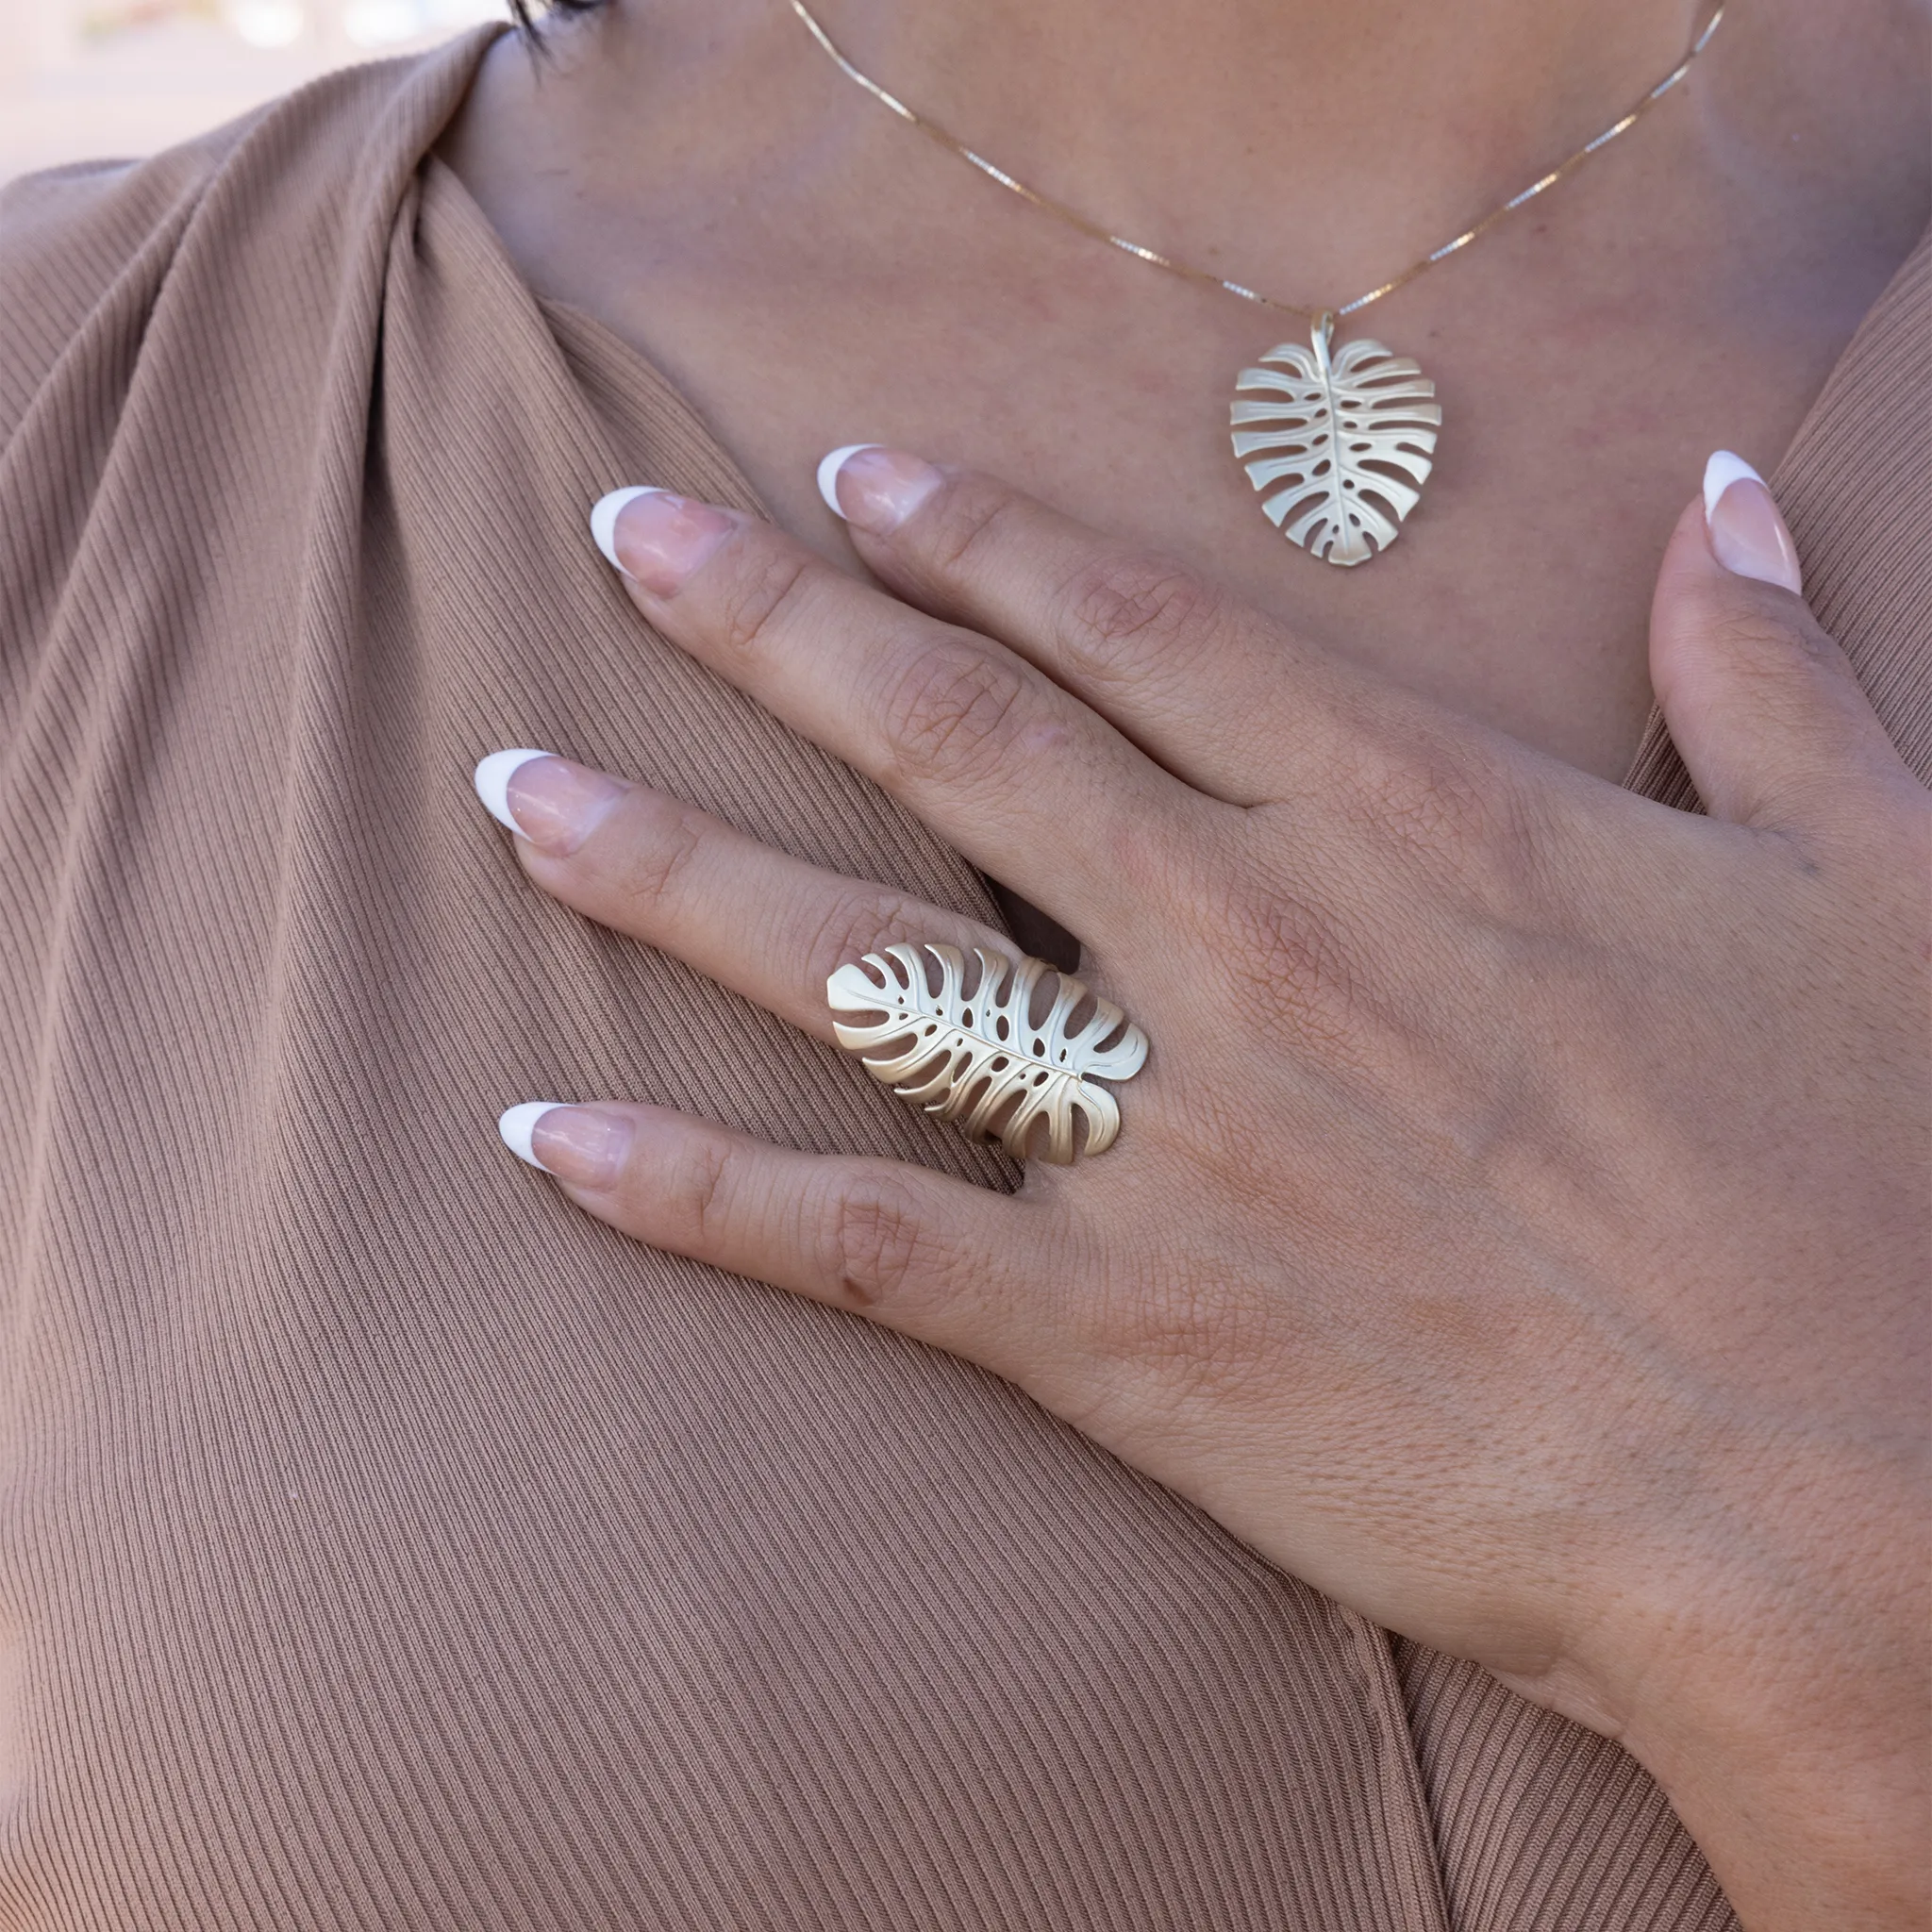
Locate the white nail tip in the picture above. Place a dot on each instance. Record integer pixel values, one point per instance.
(517, 1123)
(493, 782)
(604, 517)
(829, 467)
(1720, 473)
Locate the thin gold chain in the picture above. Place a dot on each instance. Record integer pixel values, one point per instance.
(1073, 219)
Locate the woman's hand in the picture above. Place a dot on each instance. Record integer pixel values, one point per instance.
(1518, 1228)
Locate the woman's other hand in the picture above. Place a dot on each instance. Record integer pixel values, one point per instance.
(1519, 1229)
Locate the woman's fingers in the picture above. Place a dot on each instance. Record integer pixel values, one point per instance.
(919, 1251)
(1190, 674)
(1762, 704)
(769, 926)
(1013, 771)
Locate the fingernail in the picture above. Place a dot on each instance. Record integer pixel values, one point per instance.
(1747, 535)
(655, 537)
(493, 777)
(583, 1145)
(875, 487)
(545, 799)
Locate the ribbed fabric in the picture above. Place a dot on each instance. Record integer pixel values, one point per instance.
(1856, 487)
(383, 1544)
(1544, 1828)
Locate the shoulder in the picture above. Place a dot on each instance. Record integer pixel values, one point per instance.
(89, 252)
(68, 237)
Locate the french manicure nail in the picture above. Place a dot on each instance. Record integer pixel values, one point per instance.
(493, 782)
(1747, 535)
(875, 487)
(583, 1145)
(604, 517)
(545, 799)
(656, 539)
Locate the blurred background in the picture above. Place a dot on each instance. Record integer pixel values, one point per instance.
(81, 78)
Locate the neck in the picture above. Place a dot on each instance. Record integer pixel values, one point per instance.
(1190, 128)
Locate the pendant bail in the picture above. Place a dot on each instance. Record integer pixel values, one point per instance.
(1322, 339)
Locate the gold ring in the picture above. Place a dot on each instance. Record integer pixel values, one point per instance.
(981, 1057)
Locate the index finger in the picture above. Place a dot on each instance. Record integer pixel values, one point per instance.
(1028, 782)
(1220, 693)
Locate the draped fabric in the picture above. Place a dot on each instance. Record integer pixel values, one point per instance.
(383, 1543)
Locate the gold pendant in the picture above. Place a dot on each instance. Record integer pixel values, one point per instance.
(1339, 433)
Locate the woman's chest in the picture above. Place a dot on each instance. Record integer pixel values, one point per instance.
(1587, 356)
(1572, 433)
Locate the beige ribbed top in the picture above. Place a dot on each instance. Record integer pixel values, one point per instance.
(382, 1542)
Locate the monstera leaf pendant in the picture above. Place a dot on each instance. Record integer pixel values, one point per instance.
(1342, 444)
(982, 1057)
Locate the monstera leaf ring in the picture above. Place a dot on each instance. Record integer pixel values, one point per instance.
(1003, 1060)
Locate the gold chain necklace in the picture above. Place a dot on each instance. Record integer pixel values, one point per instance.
(1343, 440)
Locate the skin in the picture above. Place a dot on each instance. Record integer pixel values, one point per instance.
(1549, 1293)
(811, 273)
(1517, 1229)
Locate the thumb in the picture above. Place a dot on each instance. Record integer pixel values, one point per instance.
(1762, 706)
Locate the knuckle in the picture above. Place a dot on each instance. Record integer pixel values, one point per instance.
(1418, 794)
(1752, 640)
(1288, 963)
(1755, 616)
(872, 1242)
(661, 837)
(1762, 647)
(1465, 815)
(1122, 611)
(1746, 627)
(763, 590)
(951, 710)
(964, 519)
(691, 1190)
